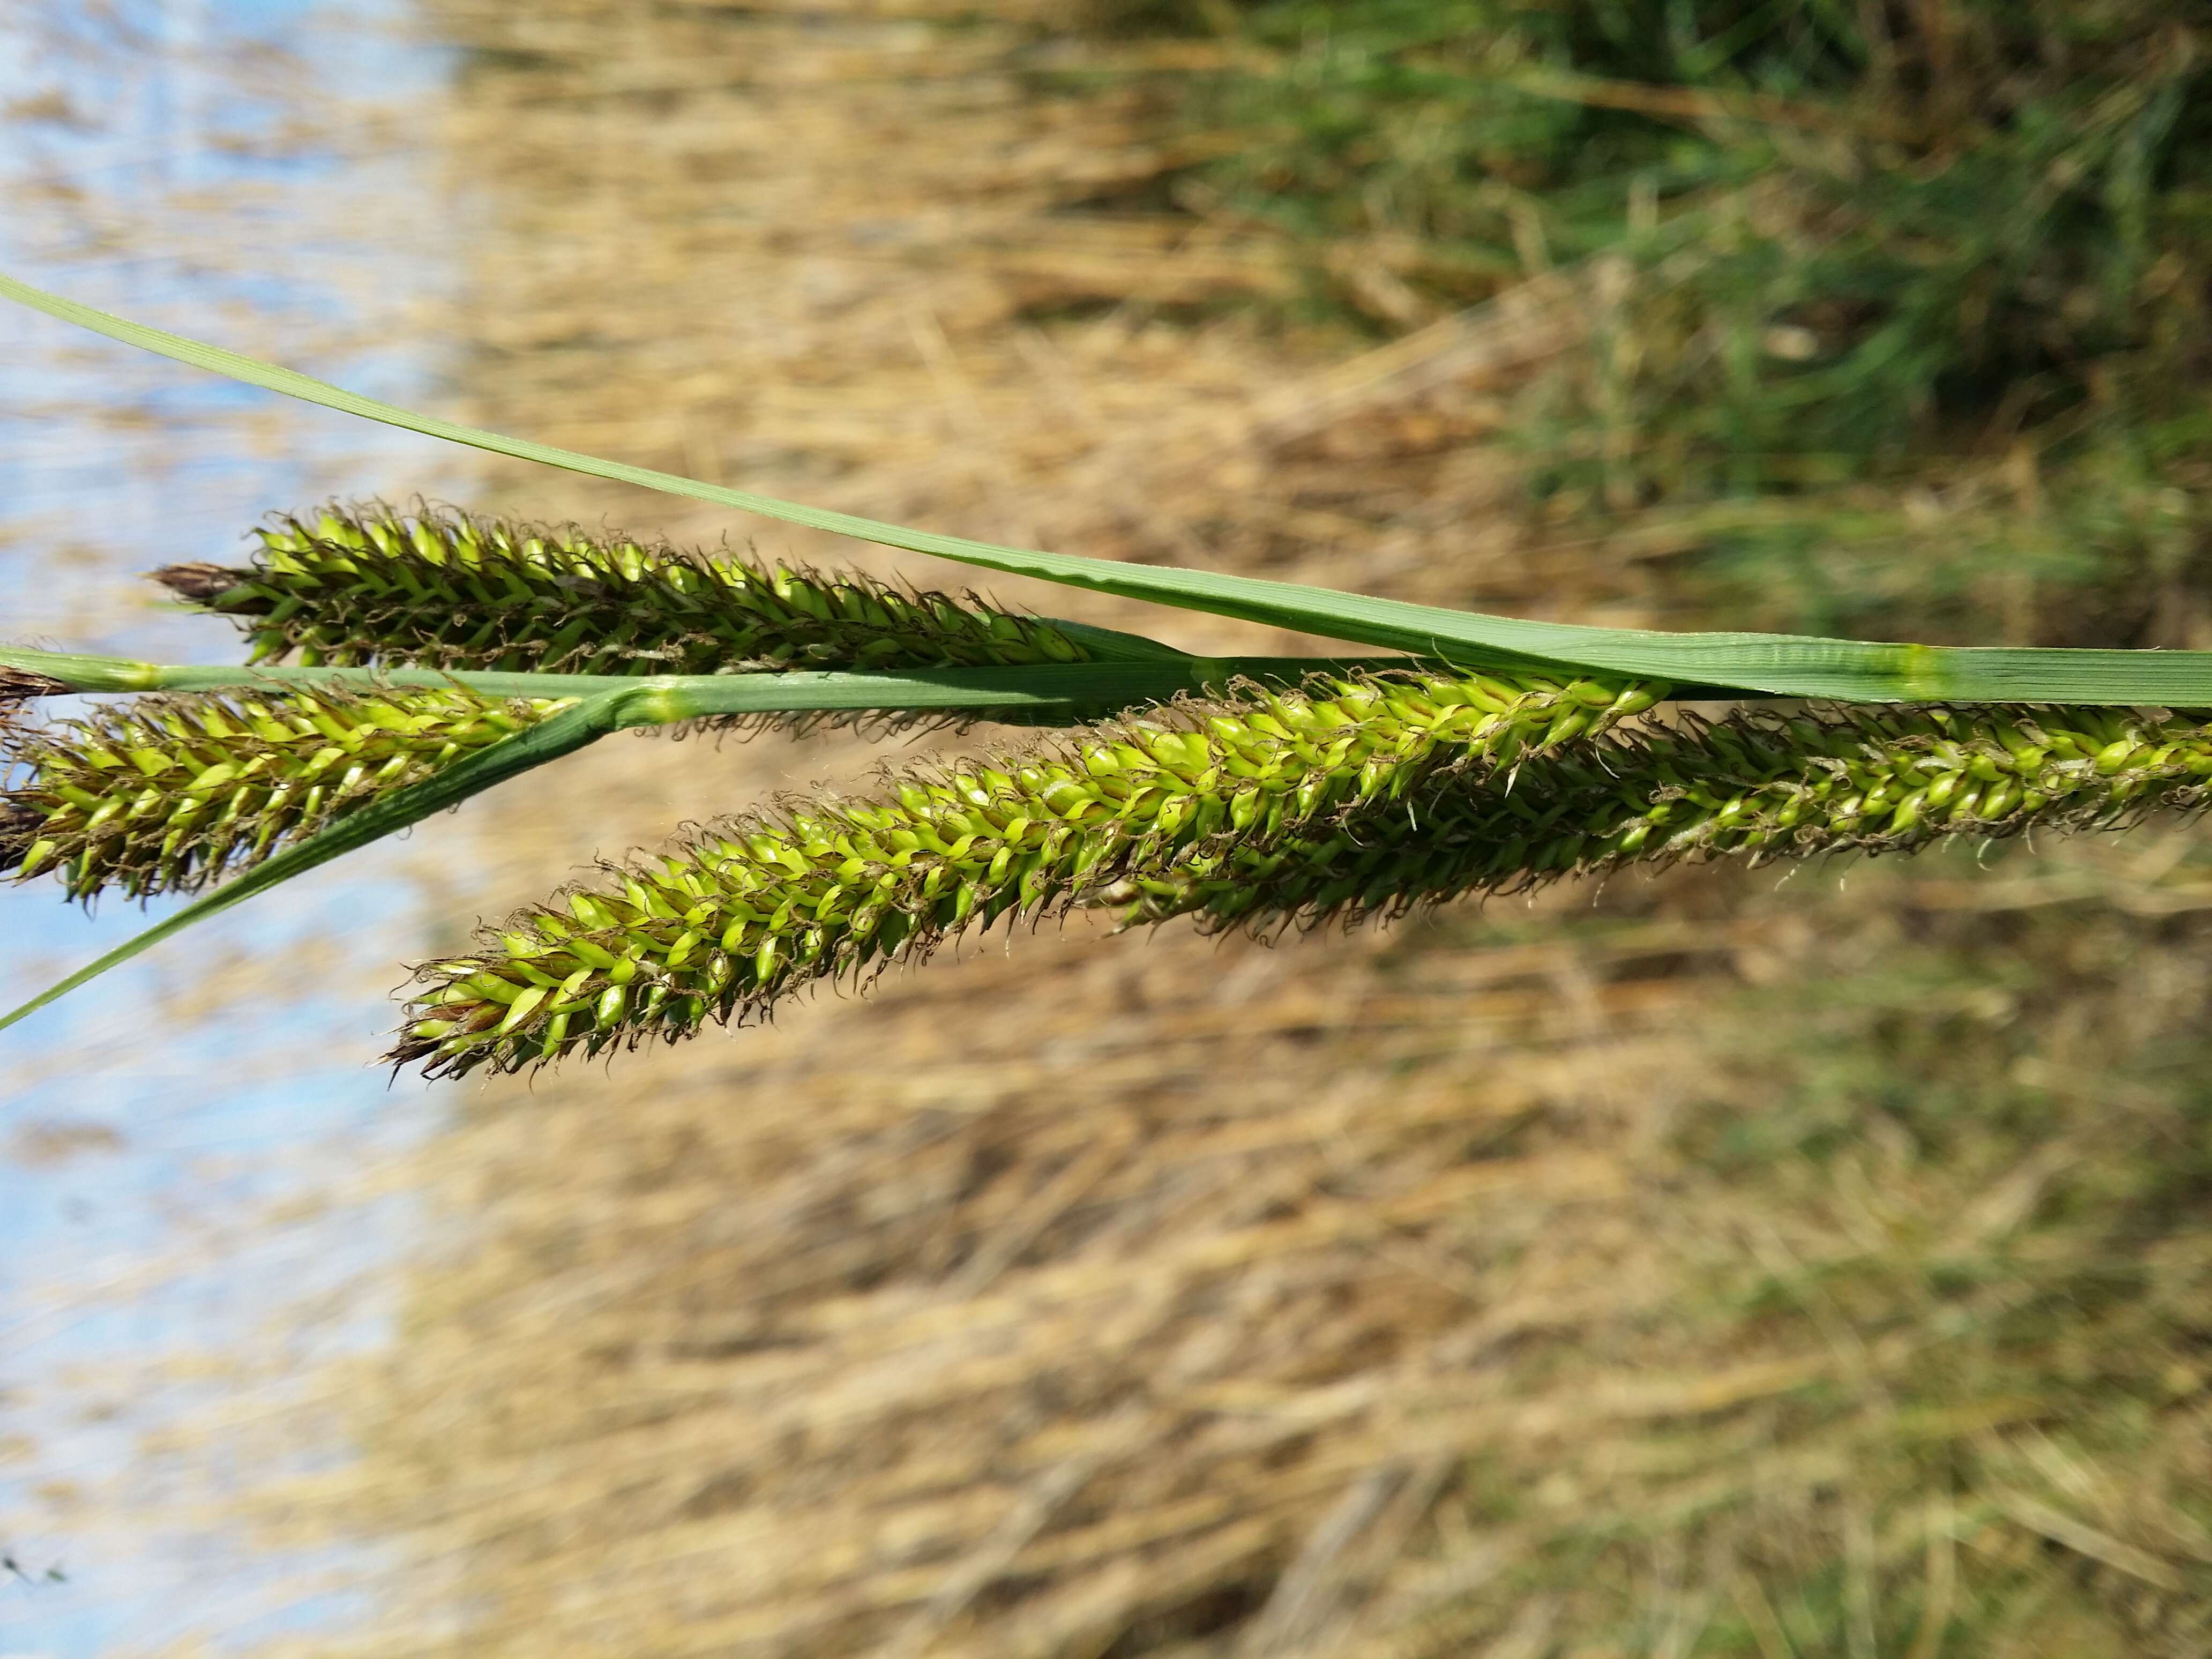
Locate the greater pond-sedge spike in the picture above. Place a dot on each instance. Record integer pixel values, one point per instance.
(1759, 786)
(445, 590)
(168, 794)
(723, 927)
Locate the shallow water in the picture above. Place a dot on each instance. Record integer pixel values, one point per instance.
(243, 170)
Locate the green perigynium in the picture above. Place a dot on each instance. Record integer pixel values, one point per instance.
(723, 927)
(1759, 784)
(169, 794)
(445, 590)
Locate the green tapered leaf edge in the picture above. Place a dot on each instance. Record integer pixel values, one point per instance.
(1847, 671)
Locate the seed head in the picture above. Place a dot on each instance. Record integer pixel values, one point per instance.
(723, 926)
(168, 794)
(444, 590)
(1756, 785)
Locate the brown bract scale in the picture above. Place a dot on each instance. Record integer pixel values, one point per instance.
(1757, 785)
(351, 586)
(199, 584)
(724, 927)
(168, 794)
(19, 686)
(19, 827)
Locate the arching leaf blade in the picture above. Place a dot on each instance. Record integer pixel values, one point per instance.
(1779, 664)
(252, 371)
(1771, 664)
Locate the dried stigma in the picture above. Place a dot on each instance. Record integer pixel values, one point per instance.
(17, 685)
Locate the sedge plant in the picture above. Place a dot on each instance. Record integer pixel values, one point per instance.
(400, 663)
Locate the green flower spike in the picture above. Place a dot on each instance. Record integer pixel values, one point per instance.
(723, 928)
(1759, 786)
(169, 794)
(444, 590)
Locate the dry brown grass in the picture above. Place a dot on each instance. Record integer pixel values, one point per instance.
(1489, 1286)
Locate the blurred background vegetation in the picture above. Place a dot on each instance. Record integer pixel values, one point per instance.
(1703, 1265)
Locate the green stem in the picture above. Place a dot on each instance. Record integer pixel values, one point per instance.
(1074, 690)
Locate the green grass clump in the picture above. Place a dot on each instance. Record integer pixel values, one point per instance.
(1901, 329)
(352, 586)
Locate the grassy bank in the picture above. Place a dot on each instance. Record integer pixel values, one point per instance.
(1898, 327)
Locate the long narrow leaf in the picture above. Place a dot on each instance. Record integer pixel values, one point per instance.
(1071, 690)
(268, 376)
(1777, 664)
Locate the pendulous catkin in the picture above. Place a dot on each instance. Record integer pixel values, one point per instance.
(722, 928)
(170, 793)
(351, 588)
(1759, 784)
(1363, 799)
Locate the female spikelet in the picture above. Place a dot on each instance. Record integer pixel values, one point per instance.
(724, 927)
(445, 590)
(1757, 785)
(171, 793)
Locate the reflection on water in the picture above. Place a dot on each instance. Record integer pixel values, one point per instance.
(239, 169)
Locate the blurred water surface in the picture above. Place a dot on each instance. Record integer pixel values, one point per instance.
(245, 170)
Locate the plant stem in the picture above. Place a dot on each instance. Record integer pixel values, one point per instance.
(1061, 691)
